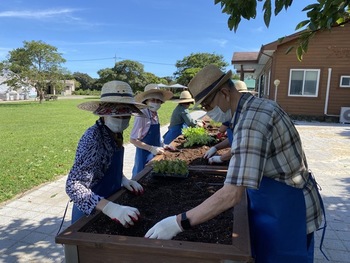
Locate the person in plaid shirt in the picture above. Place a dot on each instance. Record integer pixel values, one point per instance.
(268, 162)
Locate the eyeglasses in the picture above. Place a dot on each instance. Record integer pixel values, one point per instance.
(206, 105)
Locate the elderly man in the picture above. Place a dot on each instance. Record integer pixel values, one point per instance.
(268, 162)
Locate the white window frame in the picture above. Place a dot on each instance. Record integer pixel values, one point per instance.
(304, 70)
(341, 81)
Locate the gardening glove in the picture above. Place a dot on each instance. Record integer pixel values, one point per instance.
(132, 186)
(210, 152)
(124, 215)
(165, 229)
(156, 150)
(215, 159)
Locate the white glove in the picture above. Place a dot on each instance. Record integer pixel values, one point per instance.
(215, 159)
(156, 150)
(132, 186)
(165, 229)
(210, 152)
(124, 215)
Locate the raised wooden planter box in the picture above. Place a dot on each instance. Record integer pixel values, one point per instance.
(89, 247)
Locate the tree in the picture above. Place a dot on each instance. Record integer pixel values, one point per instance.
(190, 65)
(322, 15)
(129, 71)
(35, 64)
(86, 82)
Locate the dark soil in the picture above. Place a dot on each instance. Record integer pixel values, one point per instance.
(194, 155)
(165, 197)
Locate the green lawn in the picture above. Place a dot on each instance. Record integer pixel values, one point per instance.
(38, 141)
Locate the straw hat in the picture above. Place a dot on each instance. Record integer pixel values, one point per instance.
(241, 86)
(152, 91)
(185, 97)
(117, 99)
(207, 81)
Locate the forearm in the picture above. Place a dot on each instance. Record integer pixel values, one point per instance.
(226, 156)
(222, 145)
(141, 144)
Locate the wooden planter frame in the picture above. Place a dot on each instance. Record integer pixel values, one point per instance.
(90, 247)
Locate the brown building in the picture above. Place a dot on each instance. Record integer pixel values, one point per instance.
(319, 85)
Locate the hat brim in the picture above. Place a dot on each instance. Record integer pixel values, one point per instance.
(113, 108)
(185, 101)
(167, 95)
(226, 77)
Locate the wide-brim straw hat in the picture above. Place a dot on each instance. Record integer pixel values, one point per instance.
(117, 99)
(241, 86)
(207, 81)
(152, 91)
(185, 97)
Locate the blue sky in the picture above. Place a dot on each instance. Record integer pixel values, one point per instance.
(93, 35)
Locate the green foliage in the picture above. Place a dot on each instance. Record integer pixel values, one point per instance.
(322, 15)
(131, 72)
(87, 92)
(171, 167)
(190, 65)
(196, 136)
(85, 81)
(38, 141)
(35, 64)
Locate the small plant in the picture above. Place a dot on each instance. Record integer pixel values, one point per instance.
(196, 136)
(175, 168)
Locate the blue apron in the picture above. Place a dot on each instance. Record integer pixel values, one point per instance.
(142, 157)
(229, 134)
(278, 231)
(173, 132)
(109, 184)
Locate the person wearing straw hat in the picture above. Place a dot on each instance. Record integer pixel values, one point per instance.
(180, 118)
(145, 134)
(97, 171)
(224, 128)
(268, 162)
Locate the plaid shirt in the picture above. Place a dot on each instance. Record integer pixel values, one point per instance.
(266, 143)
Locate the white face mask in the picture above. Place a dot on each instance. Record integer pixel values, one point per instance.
(153, 106)
(116, 124)
(218, 115)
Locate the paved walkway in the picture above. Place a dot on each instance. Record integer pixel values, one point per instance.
(29, 224)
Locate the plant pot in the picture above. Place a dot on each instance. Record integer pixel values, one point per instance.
(91, 247)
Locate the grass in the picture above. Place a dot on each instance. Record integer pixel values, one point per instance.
(38, 141)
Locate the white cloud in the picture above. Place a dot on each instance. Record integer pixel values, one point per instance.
(220, 42)
(37, 14)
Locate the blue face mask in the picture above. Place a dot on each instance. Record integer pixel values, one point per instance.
(218, 115)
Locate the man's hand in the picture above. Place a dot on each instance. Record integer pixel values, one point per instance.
(132, 186)
(165, 229)
(210, 152)
(124, 215)
(215, 159)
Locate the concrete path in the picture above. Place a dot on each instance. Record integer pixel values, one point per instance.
(29, 224)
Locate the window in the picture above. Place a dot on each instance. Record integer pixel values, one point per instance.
(345, 81)
(304, 82)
